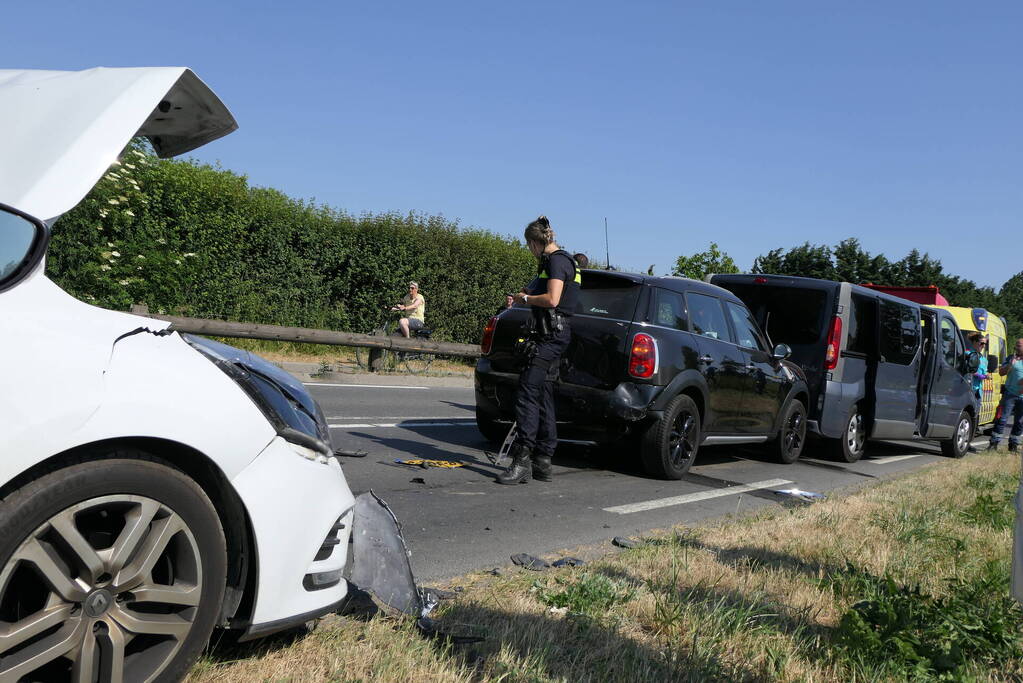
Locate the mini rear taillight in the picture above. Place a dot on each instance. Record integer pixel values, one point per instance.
(643, 356)
(834, 344)
(760, 280)
(488, 336)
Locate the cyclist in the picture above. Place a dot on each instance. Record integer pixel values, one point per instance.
(413, 308)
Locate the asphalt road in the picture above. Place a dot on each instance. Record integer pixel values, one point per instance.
(458, 520)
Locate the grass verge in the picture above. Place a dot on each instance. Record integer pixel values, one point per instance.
(907, 580)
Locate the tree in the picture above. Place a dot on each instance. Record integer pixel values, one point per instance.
(810, 260)
(701, 264)
(852, 264)
(771, 263)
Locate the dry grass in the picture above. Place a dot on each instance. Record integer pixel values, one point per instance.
(750, 599)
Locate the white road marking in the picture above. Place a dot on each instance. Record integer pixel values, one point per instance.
(694, 497)
(891, 458)
(361, 386)
(385, 425)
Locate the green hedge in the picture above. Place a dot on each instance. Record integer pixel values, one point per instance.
(195, 240)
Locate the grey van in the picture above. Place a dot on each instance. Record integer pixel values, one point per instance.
(877, 366)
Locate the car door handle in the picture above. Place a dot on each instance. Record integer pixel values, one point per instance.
(707, 358)
(751, 366)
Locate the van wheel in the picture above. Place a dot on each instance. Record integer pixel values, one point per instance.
(791, 438)
(959, 444)
(849, 448)
(669, 445)
(492, 430)
(110, 570)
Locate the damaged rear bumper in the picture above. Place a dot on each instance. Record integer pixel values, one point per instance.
(588, 408)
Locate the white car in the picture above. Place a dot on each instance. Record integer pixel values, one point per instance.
(153, 485)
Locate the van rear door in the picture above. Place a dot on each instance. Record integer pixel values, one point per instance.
(794, 311)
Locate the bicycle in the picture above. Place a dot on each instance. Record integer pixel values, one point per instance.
(386, 360)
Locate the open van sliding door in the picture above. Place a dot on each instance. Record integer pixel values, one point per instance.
(898, 367)
(948, 384)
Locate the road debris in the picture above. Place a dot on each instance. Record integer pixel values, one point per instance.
(501, 458)
(800, 497)
(417, 480)
(568, 562)
(425, 463)
(533, 564)
(623, 542)
(342, 453)
(438, 594)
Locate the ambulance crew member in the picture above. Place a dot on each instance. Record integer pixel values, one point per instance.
(552, 297)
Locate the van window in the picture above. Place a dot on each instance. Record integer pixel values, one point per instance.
(608, 296)
(793, 315)
(862, 325)
(747, 335)
(707, 318)
(667, 308)
(948, 342)
(1001, 352)
(900, 332)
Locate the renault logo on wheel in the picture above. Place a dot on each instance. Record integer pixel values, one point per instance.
(97, 603)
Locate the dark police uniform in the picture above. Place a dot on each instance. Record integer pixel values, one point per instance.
(551, 333)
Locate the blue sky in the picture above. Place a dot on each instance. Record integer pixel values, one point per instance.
(755, 125)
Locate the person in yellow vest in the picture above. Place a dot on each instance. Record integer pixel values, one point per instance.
(413, 307)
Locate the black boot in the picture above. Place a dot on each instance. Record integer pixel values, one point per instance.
(519, 469)
(542, 470)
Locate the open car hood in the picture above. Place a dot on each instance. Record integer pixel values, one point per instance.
(61, 130)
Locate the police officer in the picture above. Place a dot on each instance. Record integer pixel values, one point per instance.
(552, 297)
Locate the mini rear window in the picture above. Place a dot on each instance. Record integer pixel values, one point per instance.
(608, 296)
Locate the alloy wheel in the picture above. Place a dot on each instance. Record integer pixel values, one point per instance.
(854, 433)
(963, 434)
(795, 433)
(682, 438)
(106, 589)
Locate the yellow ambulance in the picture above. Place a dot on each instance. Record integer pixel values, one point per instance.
(993, 327)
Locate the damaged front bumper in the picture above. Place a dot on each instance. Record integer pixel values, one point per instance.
(304, 547)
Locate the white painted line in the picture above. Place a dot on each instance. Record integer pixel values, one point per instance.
(406, 425)
(361, 386)
(891, 458)
(695, 497)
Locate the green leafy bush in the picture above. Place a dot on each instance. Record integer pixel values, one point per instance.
(923, 636)
(196, 240)
(588, 593)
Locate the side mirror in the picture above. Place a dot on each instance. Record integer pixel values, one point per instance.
(22, 245)
(972, 361)
(781, 352)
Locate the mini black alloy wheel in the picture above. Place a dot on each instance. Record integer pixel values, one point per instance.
(788, 446)
(669, 445)
(681, 440)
